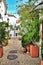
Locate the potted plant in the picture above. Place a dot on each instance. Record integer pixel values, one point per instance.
(3, 27)
(28, 46)
(26, 41)
(5, 42)
(29, 27)
(23, 46)
(34, 51)
(32, 34)
(24, 50)
(5, 33)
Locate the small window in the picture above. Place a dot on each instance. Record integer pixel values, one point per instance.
(10, 34)
(0, 16)
(7, 19)
(5, 13)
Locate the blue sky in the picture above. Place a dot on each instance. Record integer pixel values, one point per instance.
(12, 6)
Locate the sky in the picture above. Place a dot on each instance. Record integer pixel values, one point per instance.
(11, 4)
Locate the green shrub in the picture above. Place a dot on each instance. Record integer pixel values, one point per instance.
(3, 31)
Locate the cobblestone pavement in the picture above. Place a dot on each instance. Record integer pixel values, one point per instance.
(22, 59)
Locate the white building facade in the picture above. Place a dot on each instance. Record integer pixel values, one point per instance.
(3, 9)
(7, 17)
(12, 21)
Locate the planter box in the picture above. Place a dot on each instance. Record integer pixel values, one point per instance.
(41, 62)
(34, 51)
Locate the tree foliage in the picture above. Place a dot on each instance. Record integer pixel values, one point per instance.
(30, 25)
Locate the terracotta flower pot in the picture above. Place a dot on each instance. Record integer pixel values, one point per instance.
(34, 51)
(1, 52)
(41, 62)
(24, 49)
(4, 44)
(28, 48)
(9, 38)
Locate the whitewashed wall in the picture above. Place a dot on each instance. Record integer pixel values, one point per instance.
(2, 8)
(12, 21)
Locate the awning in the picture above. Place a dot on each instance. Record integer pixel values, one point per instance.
(38, 7)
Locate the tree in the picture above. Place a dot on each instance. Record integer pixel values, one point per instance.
(29, 28)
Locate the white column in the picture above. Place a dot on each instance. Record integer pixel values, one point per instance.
(40, 41)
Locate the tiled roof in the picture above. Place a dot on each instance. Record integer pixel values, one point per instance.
(17, 21)
(11, 15)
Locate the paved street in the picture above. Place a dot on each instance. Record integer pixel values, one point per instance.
(22, 58)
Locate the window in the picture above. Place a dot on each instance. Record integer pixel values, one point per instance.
(0, 16)
(5, 13)
(10, 34)
(7, 19)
